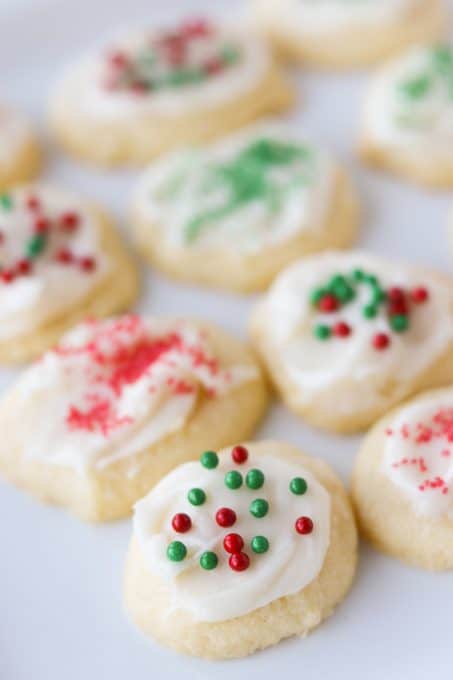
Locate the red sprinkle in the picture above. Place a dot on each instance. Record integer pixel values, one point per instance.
(419, 295)
(239, 454)
(342, 329)
(328, 303)
(239, 561)
(181, 523)
(233, 543)
(33, 203)
(88, 264)
(69, 221)
(395, 294)
(381, 341)
(24, 266)
(304, 525)
(64, 256)
(398, 307)
(7, 276)
(41, 226)
(225, 517)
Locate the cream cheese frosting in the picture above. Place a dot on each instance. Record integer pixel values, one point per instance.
(389, 322)
(174, 72)
(112, 388)
(50, 256)
(418, 454)
(281, 529)
(410, 103)
(244, 193)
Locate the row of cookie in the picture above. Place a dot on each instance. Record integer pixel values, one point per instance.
(259, 538)
(161, 90)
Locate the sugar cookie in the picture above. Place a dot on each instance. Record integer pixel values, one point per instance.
(240, 550)
(156, 90)
(348, 33)
(408, 117)
(19, 149)
(60, 260)
(118, 403)
(403, 482)
(346, 336)
(235, 213)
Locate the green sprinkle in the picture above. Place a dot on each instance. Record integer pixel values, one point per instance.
(208, 561)
(176, 551)
(260, 544)
(259, 508)
(343, 291)
(322, 332)
(378, 296)
(371, 279)
(298, 486)
(36, 245)
(358, 275)
(254, 479)
(399, 323)
(370, 311)
(6, 202)
(209, 460)
(233, 479)
(416, 88)
(317, 295)
(196, 496)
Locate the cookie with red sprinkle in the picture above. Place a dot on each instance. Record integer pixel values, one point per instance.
(271, 556)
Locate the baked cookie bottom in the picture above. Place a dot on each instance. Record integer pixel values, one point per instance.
(109, 493)
(250, 272)
(137, 140)
(387, 519)
(25, 165)
(148, 598)
(115, 292)
(363, 47)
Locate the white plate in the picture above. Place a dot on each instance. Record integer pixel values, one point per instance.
(61, 614)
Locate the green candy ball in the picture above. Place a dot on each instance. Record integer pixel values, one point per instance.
(260, 544)
(208, 561)
(209, 460)
(298, 486)
(259, 507)
(176, 551)
(254, 479)
(322, 332)
(196, 496)
(233, 479)
(399, 323)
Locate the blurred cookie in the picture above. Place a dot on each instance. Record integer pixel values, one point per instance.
(19, 150)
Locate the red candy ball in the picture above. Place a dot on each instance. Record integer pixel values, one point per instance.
(24, 266)
(69, 221)
(87, 264)
(420, 295)
(42, 225)
(239, 561)
(342, 329)
(328, 303)
(395, 294)
(381, 341)
(225, 517)
(181, 523)
(7, 276)
(304, 525)
(64, 256)
(398, 307)
(233, 543)
(239, 454)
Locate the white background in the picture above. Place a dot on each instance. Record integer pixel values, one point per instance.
(60, 580)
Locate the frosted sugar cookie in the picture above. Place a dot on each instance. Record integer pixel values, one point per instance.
(348, 33)
(118, 403)
(240, 550)
(19, 150)
(158, 89)
(346, 336)
(407, 123)
(403, 482)
(60, 260)
(233, 214)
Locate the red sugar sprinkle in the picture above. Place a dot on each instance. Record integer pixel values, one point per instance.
(41, 225)
(239, 561)
(225, 517)
(342, 329)
(181, 523)
(395, 294)
(69, 221)
(239, 454)
(304, 525)
(381, 341)
(88, 264)
(328, 303)
(98, 418)
(24, 266)
(64, 256)
(7, 276)
(233, 543)
(419, 294)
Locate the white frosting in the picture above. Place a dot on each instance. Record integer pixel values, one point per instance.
(418, 454)
(51, 287)
(113, 388)
(291, 563)
(82, 85)
(15, 133)
(185, 185)
(287, 320)
(305, 17)
(425, 120)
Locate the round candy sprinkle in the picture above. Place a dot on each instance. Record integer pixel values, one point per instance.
(208, 560)
(196, 496)
(260, 544)
(239, 454)
(419, 295)
(239, 562)
(6, 202)
(176, 551)
(369, 311)
(399, 323)
(317, 295)
(225, 517)
(233, 543)
(381, 341)
(298, 486)
(395, 294)
(209, 460)
(259, 507)
(233, 479)
(328, 304)
(181, 523)
(304, 525)
(254, 479)
(342, 329)
(322, 332)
